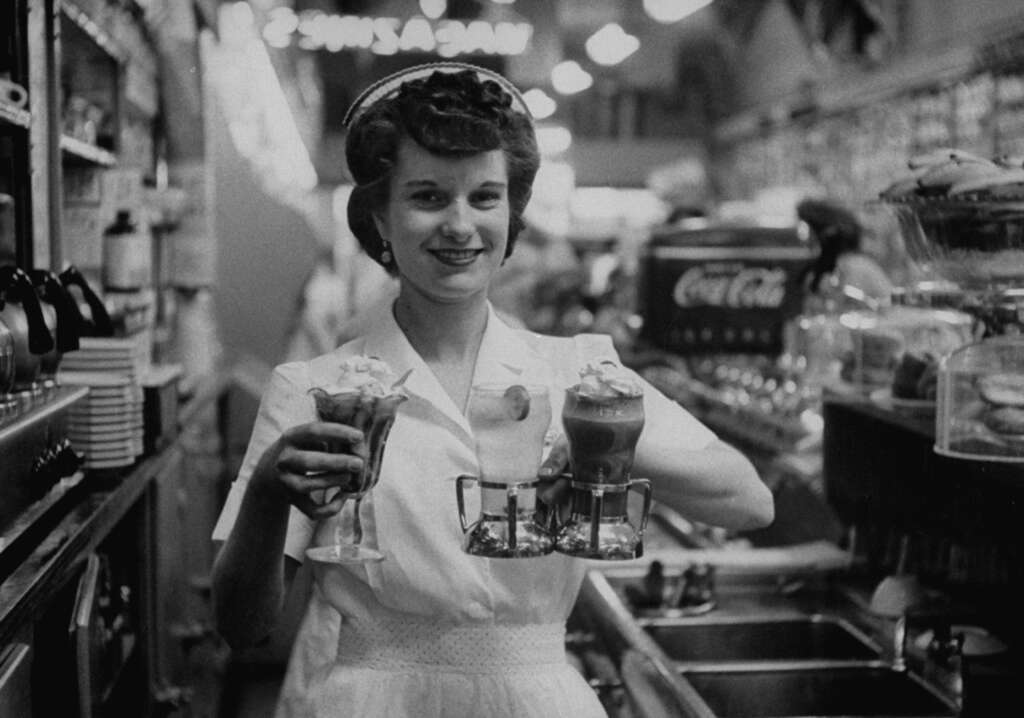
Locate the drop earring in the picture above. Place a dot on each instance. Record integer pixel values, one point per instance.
(385, 255)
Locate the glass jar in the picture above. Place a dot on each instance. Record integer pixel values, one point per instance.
(980, 412)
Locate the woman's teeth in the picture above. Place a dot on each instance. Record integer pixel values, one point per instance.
(456, 257)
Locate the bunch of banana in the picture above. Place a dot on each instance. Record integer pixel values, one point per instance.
(956, 174)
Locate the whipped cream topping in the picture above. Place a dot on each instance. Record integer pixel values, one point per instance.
(606, 379)
(369, 376)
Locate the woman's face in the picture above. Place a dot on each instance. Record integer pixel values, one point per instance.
(447, 221)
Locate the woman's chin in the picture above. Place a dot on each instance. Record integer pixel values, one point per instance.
(454, 289)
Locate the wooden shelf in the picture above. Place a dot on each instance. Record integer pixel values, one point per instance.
(14, 115)
(78, 152)
(97, 34)
(99, 505)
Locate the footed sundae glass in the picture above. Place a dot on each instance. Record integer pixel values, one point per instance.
(603, 416)
(367, 398)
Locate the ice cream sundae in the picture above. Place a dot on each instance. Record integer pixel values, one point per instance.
(366, 395)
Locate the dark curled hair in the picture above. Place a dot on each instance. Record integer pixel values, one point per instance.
(452, 114)
(838, 232)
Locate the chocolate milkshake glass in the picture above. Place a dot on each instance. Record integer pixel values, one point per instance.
(603, 416)
(366, 397)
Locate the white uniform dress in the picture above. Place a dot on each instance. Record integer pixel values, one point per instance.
(432, 631)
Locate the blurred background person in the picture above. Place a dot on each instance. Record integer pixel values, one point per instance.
(836, 234)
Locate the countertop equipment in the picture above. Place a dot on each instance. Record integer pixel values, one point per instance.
(36, 455)
(970, 248)
(721, 288)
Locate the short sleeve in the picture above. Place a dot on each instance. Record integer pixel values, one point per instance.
(284, 404)
(667, 423)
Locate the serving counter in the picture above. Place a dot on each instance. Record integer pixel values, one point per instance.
(111, 597)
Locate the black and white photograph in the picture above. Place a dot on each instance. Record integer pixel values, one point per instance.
(511, 358)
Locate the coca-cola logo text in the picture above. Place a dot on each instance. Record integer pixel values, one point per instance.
(747, 287)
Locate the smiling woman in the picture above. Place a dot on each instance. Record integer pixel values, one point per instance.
(447, 224)
(443, 158)
(441, 118)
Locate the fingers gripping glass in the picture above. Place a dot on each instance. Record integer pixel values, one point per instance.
(374, 417)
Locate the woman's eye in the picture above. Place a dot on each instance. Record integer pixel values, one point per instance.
(428, 197)
(486, 199)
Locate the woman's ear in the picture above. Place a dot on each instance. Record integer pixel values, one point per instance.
(380, 224)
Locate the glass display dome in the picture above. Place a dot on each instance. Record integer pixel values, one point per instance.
(969, 255)
(980, 413)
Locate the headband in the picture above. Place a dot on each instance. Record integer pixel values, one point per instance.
(388, 86)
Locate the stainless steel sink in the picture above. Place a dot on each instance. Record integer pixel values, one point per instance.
(735, 594)
(814, 637)
(852, 691)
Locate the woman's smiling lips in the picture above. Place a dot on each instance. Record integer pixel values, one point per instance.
(456, 257)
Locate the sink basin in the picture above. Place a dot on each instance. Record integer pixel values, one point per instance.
(854, 691)
(813, 637)
(734, 594)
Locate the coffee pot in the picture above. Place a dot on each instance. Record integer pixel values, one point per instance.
(98, 322)
(6, 367)
(21, 313)
(602, 433)
(509, 425)
(63, 320)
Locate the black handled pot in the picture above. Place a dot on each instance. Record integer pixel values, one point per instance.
(98, 324)
(20, 311)
(69, 318)
(6, 358)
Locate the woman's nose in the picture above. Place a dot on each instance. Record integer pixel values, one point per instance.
(458, 225)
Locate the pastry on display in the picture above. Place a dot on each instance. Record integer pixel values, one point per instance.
(981, 401)
(955, 174)
(1004, 396)
(916, 376)
(895, 348)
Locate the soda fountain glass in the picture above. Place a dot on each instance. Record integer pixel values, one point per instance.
(374, 416)
(603, 432)
(509, 423)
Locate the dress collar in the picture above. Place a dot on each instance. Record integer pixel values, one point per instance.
(503, 357)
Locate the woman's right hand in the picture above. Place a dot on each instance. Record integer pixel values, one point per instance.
(308, 462)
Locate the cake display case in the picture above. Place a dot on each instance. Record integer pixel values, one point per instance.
(981, 401)
(961, 219)
(895, 352)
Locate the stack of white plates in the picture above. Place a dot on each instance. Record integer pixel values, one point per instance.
(117, 355)
(107, 425)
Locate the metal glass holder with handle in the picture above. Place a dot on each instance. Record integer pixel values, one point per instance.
(513, 533)
(509, 424)
(599, 528)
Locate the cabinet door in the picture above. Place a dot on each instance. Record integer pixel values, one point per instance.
(89, 639)
(15, 681)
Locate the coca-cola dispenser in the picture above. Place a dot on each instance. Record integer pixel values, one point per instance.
(721, 289)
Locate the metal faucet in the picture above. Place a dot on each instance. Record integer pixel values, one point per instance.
(899, 643)
(696, 590)
(944, 648)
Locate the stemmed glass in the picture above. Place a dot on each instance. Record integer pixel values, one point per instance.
(374, 416)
